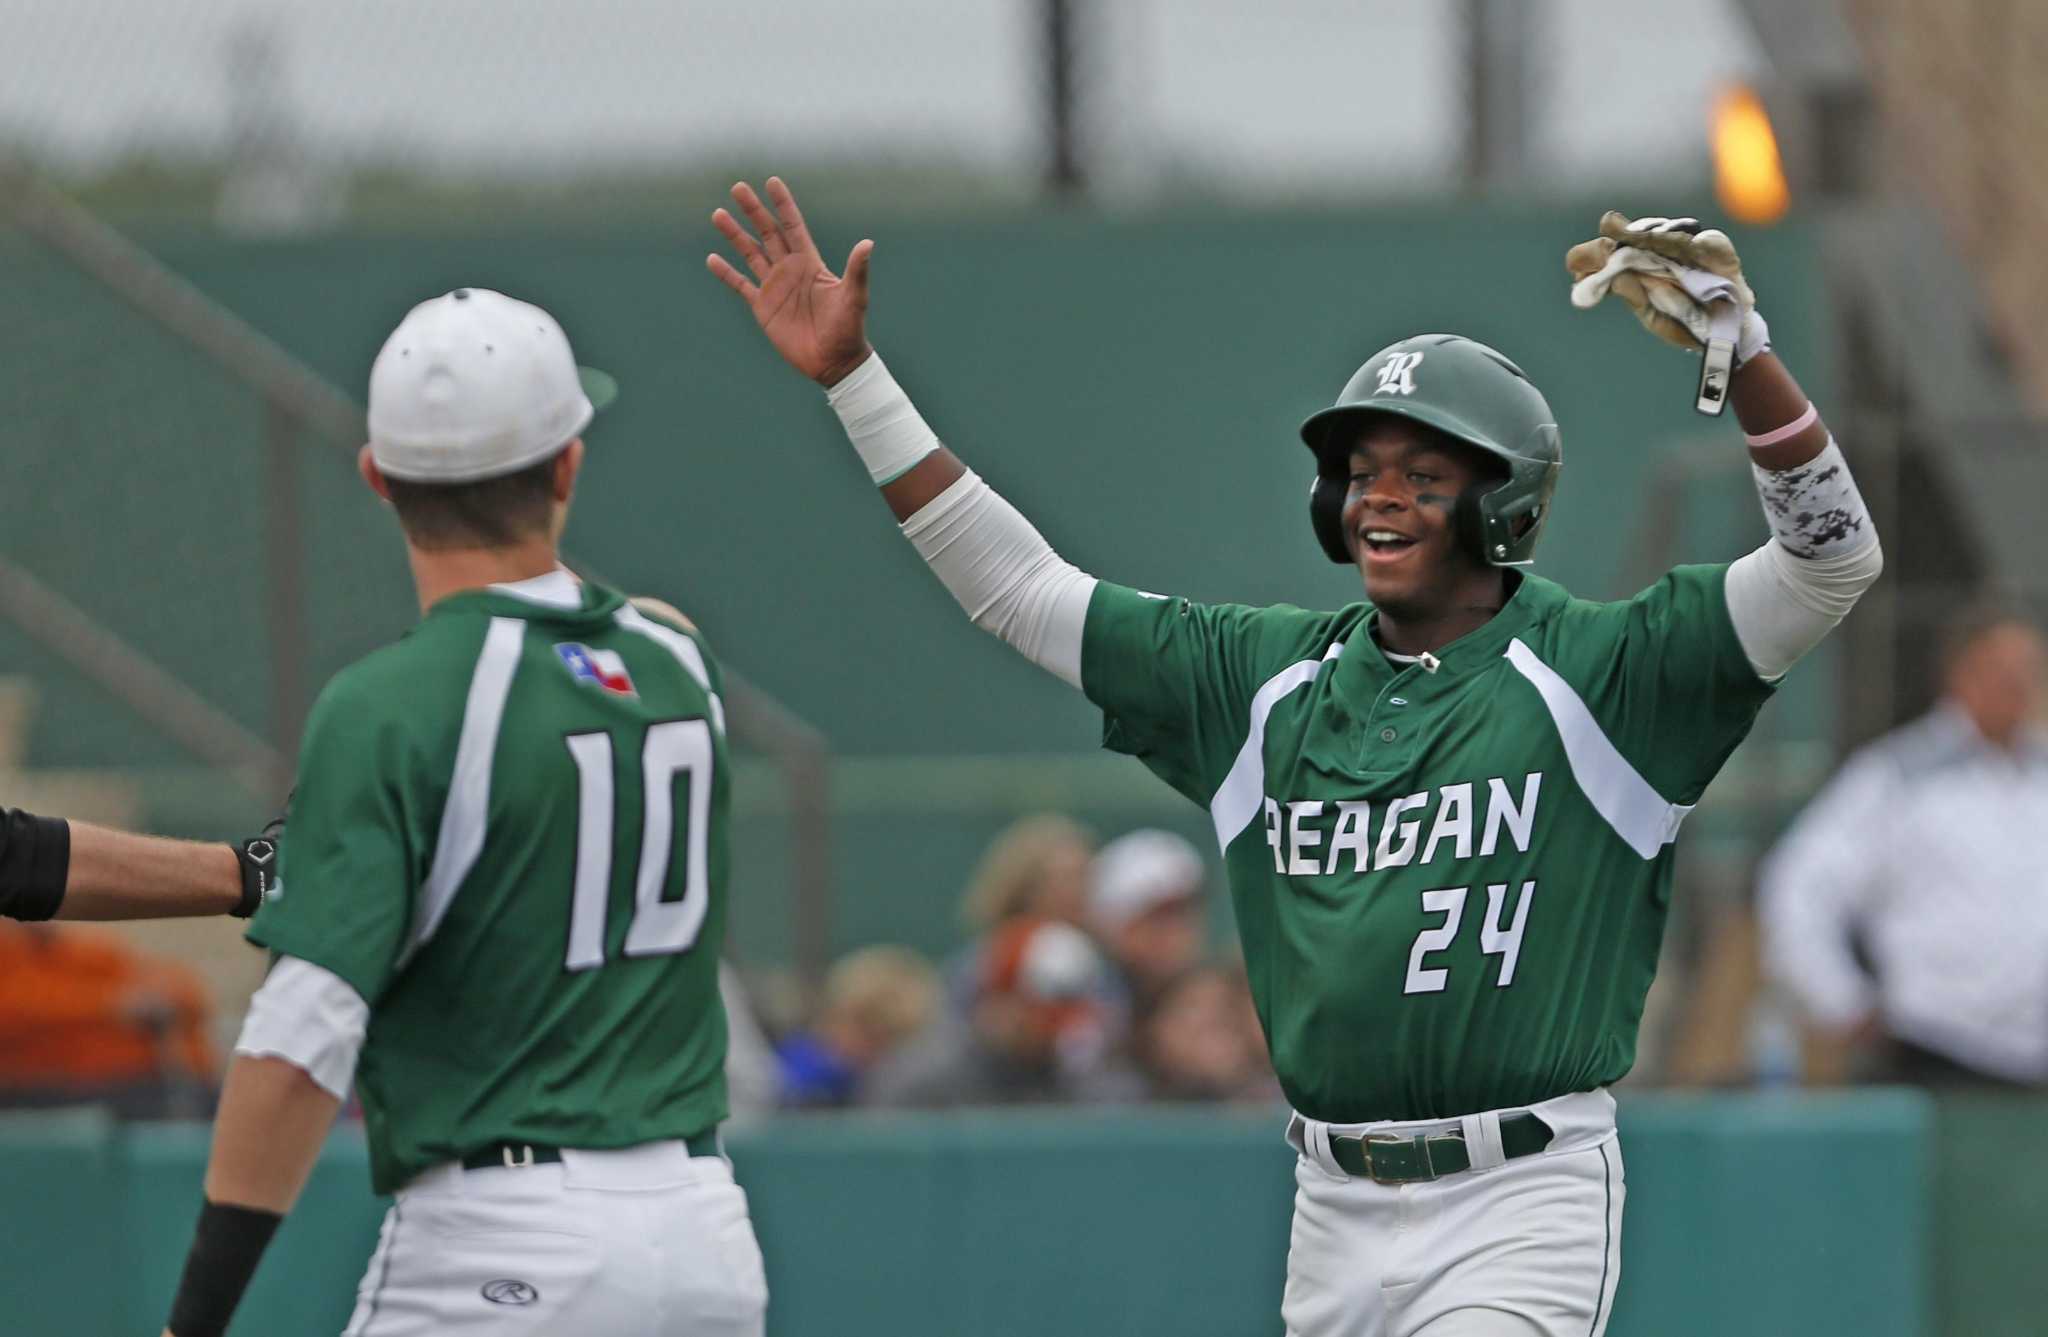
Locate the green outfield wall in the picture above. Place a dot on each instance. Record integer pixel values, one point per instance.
(1133, 383)
(1768, 1216)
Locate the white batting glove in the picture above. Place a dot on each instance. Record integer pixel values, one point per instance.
(1684, 283)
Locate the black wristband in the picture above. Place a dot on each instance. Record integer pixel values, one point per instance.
(35, 862)
(226, 1247)
(258, 858)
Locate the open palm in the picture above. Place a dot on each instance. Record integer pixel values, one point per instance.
(816, 319)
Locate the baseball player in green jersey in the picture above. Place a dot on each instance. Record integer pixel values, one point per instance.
(1447, 812)
(501, 905)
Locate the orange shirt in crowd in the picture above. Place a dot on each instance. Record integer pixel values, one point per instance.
(82, 1008)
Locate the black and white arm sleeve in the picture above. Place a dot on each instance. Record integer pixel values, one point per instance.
(1823, 553)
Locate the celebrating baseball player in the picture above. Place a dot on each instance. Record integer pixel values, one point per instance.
(504, 898)
(1447, 813)
(54, 869)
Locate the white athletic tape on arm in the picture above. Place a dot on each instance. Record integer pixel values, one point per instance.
(1004, 573)
(311, 1018)
(887, 432)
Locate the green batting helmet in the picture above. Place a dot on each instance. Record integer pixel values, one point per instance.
(1465, 390)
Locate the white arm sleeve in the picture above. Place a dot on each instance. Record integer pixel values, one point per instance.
(1815, 886)
(311, 1018)
(1788, 594)
(996, 564)
(1004, 573)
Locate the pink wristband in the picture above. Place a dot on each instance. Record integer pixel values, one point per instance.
(1788, 431)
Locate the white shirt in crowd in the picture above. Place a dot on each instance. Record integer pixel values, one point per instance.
(1931, 849)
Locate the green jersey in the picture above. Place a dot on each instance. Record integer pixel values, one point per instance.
(509, 836)
(1451, 875)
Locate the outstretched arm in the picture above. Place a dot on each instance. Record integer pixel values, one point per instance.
(54, 869)
(1685, 284)
(995, 563)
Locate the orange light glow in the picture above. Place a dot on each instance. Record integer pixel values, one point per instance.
(1749, 179)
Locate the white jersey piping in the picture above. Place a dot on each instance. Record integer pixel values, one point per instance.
(1243, 791)
(469, 787)
(683, 648)
(1617, 791)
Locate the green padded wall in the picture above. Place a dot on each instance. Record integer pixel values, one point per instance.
(1990, 1216)
(1770, 1216)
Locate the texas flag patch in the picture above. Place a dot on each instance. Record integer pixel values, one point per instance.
(599, 668)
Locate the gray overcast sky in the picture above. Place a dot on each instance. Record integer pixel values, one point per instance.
(1286, 92)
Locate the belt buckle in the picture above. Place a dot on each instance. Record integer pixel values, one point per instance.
(525, 1154)
(1372, 1172)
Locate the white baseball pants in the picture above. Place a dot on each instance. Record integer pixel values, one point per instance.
(645, 1242)
(1523, 1248)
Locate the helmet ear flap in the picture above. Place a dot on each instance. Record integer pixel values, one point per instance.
(1468, 519)
(1326, 516)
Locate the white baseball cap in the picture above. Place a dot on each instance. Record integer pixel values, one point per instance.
(1048, 960)
(1144, 869)
(474, 384)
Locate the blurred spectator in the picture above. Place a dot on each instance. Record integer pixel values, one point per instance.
(1037, 867)
(1907, 910)
(1035, 1033)
(1199, 1040)
(1145, 904)
(84, 1017)
(875, 999)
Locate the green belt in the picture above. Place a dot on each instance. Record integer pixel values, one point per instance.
(519, 1155)
(1390, 1158)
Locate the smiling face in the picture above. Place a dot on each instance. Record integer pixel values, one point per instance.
(1399, 516)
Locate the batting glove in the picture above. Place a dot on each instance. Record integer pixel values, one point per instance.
(1684, 283)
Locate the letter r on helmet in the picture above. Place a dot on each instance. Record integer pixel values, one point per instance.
(1397, 374)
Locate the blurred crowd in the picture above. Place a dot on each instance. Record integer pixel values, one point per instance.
(1087, 979)
(1900, 925)
(86, 1018)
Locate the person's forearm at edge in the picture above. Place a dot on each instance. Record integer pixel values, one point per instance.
(267, 1136)
(118, 875)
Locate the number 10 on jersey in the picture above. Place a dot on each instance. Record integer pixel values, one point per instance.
(676, 747)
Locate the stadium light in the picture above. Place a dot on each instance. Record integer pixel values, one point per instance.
(1749, 178)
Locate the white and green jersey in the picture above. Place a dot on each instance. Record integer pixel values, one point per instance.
(1450, 881)
(509, 835)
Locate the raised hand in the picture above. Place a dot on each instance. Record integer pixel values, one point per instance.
(816, 319)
